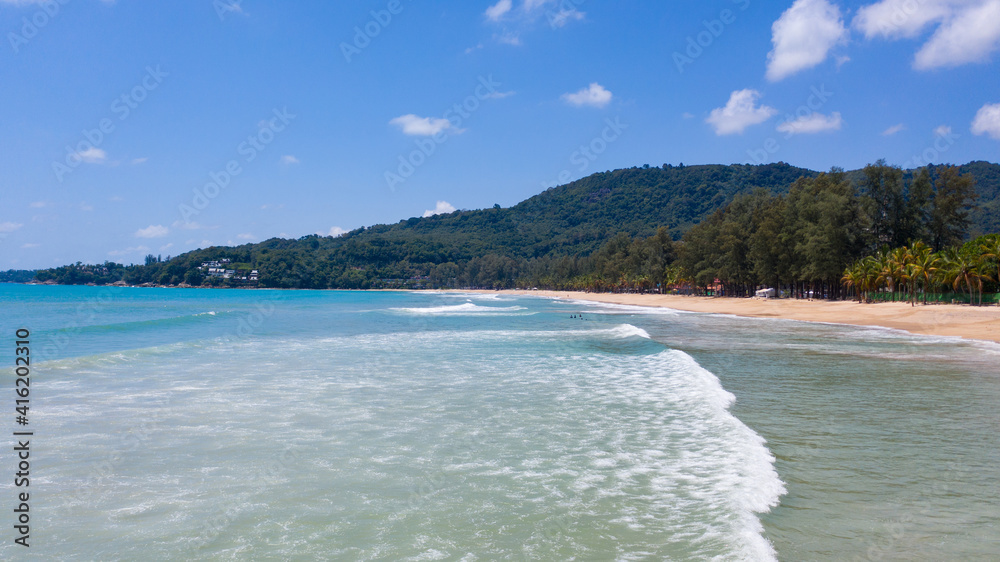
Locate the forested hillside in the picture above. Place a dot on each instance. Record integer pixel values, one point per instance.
(547, 239)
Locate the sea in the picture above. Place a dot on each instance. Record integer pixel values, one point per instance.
(190, 424)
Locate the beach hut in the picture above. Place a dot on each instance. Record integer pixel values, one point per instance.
(765, 294)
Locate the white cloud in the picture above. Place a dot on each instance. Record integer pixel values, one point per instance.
(288, 159)
(967, 30)
(137, 161)
(442, 208)
(334, 231)
(38, 204)
(10, 226)
(498, 10)
(893, 19)
(499, 95)
(812, 124)
(166, 247)
(246, 236)
(508, 39)
(86, 207)
(969, 37)
(92, 155)
(943, 131)
(414, 125)
(564, 16)
(29, 245)
(153, 231)
(893, 130)
(987, 121)
(739, 113)
(594, 95)
(557, 14)
(30, 2)
(129, 251)
(191, 225)
(803, 37)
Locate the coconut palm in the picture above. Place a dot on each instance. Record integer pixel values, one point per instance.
(853, 278)
(991, 250)
(962, 268)
(899, 261)
(924, 265)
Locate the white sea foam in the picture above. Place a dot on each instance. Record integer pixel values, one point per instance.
(612, 308)
(629, 331)
(465, 309)
(419, 430)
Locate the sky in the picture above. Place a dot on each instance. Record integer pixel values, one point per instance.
(158, 127)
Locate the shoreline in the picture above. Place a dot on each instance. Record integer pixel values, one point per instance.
(949, 320)
(964, 321)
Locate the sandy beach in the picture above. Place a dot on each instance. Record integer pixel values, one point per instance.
(972, 322)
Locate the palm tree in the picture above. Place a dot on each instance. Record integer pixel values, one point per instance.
(964, 268)
(854, 278)
(870, 274)
(924, 266)
(899, 261)
(991, 249)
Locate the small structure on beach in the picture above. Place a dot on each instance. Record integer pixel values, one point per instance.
(765, 294)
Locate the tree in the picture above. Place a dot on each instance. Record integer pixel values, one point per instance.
(884, 203)
(194, 277)
(924, 266)
(918, 210)
(953, 197)
(963, 269)
(990, 247)
(822, 228)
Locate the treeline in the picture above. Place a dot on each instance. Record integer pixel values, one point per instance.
(801, 243)
(917, 273)
(84, 274)
(599, 234)
(17, 276)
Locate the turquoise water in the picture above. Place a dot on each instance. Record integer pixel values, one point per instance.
(200, 424)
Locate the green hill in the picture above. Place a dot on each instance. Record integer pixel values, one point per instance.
(565, 222)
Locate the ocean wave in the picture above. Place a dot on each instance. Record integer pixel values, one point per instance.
(613, 308)
(466, 309)
(740, 461)
(629, 331)
(140, 324)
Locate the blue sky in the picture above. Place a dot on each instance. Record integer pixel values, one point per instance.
(135, 127)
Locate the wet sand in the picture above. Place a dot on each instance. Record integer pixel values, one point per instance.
(972, 322)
